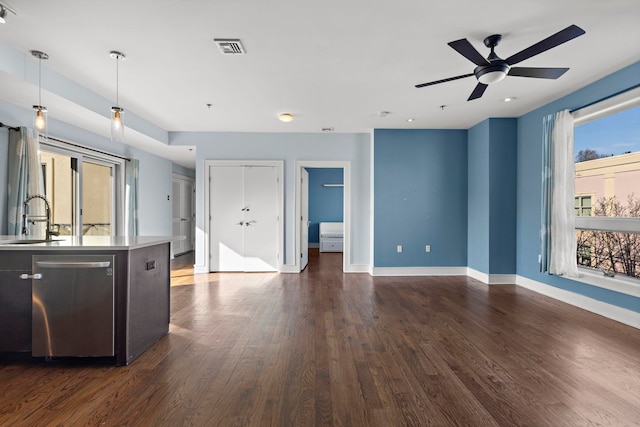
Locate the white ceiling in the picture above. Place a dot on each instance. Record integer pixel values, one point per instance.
(332, 63)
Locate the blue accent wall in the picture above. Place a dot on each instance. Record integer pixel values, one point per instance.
(502, 195)
(478, 209)
(420, 197)
(492, 197)
(325, 203)
(529, 171)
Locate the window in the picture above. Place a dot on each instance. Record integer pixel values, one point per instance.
(84, 190)
(583, 206)
(607, 184)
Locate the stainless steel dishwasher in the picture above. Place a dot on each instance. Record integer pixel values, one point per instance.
(73, 305)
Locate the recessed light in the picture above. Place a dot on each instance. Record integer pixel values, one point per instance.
(509, 99)
(411, 120)
(384, 113)
(209, 105)
(285, 117)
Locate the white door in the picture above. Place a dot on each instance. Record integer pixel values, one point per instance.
(188, 225)
(244, 218)
(260, 218)
(183, 224)
(176, 245)
(226, 224)
(304, 219)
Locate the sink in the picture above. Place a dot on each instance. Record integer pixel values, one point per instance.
(28, 241)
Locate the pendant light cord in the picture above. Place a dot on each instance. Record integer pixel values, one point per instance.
(117, 82)
(40, 81)
(118, 56)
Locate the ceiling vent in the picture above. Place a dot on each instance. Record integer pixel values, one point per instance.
(230, 46)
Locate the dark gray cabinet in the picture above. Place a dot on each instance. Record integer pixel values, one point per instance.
(141, 298)
(15, 303)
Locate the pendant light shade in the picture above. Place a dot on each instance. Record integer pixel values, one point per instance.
(117, 124)
(117, 127)
(40, 112)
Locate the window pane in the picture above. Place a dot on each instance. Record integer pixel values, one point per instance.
(58, 177)
(611, 252)
(96, 199)
(607, 153)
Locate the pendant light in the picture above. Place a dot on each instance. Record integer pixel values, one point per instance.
(117, 125)
(40, 118)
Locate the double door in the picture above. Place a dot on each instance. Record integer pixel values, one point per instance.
(244, 218)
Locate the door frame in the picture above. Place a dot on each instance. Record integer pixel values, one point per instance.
(279, 165)
(346, 205)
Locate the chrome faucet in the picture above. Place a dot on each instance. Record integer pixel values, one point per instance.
(48, 231)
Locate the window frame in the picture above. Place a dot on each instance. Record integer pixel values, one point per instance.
(618, 283)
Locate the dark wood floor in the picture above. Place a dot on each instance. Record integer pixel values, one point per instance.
(327, 348)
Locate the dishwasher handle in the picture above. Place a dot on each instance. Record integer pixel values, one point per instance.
(73, 264)
(36, 276)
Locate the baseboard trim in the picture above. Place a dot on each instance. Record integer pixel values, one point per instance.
(619, 314)
(419, 271)
(289, 268)
(491, 279)
(357, 268)
(200, 269)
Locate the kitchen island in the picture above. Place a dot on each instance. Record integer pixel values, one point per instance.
(140, 291)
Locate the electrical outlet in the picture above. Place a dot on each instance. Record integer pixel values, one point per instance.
(399, 249)
(427, 248)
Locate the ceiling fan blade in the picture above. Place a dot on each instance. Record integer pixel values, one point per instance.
(478, 91)
(539, 73)
(444, 80)
(562, 36)
(464, 48)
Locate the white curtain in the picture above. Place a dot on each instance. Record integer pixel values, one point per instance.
(132, 182)
(548, 123)
(24, 180)
(563, 238)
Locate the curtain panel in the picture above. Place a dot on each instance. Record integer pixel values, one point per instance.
(558, 239)
(24, 180)
(132, 174)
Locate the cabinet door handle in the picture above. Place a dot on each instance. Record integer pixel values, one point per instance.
(36, 276)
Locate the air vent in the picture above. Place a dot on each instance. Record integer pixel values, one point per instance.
(230, 46)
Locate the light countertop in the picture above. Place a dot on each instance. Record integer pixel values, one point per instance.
(111, 243)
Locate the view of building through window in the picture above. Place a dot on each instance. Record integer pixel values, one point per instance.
(607, 184)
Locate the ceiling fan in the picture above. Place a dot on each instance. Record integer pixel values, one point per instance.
(493, 69)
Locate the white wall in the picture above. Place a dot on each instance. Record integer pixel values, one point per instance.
(289, 147)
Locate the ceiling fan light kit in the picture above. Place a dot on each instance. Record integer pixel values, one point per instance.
(494, 69)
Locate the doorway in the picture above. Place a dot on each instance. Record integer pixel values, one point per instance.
(306, 228)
